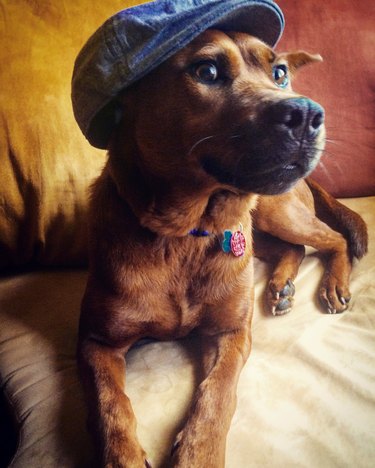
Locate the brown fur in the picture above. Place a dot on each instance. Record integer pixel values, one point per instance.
(308, 215)
(150, 278)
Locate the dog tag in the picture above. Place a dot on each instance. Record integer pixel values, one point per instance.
(238, 244)
(225, 245)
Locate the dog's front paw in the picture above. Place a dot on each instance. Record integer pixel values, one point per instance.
(192, 451)
(280, 298)
(126, 463)
(126, 457)
(334, 295)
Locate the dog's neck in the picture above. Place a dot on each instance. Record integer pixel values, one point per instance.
(169, 208)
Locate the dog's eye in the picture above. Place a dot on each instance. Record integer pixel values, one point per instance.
(280, 76)
(207, 72)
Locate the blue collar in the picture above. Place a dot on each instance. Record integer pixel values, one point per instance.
(234, 242)
(199, 233)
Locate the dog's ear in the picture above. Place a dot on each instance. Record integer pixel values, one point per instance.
(295, 60)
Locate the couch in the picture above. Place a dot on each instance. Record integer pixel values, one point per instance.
(306, 397)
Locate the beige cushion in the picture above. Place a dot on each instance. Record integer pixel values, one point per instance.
(46, 165)
(306, 397)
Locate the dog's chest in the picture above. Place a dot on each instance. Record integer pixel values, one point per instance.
(193, 284)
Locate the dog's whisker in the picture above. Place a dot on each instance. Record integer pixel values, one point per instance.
(336, 165)
(326, 173)
(235, 167)
(346, 145)
(199, 142)
(326, 151)
(342, 129)
(351, 131)
(331, 141)
(235, 136)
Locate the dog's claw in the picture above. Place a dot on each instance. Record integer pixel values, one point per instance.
(283, 307)
(147, 464)
(175, 447)
(288, 290)
(281, 300)
(333, 297)
(344, 300)
(284, 304)
(283, 311)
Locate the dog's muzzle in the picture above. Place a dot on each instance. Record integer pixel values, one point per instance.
(281, 145)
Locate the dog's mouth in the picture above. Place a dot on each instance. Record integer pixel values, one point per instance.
(282, 178)
(264, 175)
(278, 177)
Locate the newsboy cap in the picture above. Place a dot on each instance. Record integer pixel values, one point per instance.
(136, 40)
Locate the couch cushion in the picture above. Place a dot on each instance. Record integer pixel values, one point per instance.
(46, 164)
(342, 31)
(305, 397)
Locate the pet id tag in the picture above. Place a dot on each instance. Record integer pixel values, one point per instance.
(238, 244)
(226, 241)
(234, 242)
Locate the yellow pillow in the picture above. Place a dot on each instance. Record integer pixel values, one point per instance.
(46, 165)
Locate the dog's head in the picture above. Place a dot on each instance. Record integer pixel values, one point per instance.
(222, 111)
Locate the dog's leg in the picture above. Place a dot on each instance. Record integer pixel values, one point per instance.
(297, 224)
(285, 259)
(201, 443)
(341, 219)
(111, 417)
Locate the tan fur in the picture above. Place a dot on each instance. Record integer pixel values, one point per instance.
(149, 277)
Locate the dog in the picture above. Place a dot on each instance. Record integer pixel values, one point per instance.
(224, 151)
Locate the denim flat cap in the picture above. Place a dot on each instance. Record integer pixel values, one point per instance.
(135, 41)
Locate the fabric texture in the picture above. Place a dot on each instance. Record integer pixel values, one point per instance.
(343, 32)
(46, 165)
(135, 41)
(306, 396)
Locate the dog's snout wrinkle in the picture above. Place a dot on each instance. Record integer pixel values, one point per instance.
(301, 117)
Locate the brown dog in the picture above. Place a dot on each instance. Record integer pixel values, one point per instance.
(170, 216)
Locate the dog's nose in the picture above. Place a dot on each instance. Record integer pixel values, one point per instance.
(300, 116)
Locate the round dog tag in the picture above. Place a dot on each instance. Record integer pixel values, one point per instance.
(238, 243)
